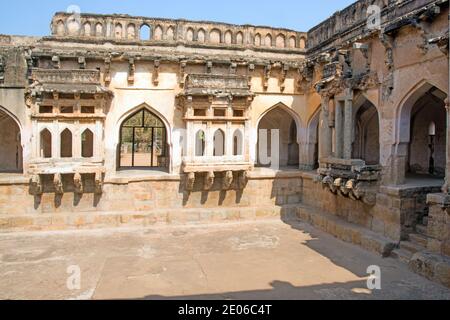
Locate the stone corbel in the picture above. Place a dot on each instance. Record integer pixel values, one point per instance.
(155, 75)
(243, 180)
(251, 69)
(423, 31)
(36, 187)
(56, 62)
(78, 183)
(209, 181)
(182, 73)
(233, 68)
(58, 184)
(209, 66)
(190, 181)
(131, 70)
(2, 70)
(107, 74)
(266, 77)
(30, 63)
(56, 96)
(227, 180)
(283, 75)
(82, 62)
(98, 182)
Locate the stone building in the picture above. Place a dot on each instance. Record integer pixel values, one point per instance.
(115, 120)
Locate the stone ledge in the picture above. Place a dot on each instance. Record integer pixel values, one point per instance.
(99, 220)
(346, 231)
(431, 266)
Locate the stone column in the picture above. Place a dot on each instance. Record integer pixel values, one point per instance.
(348, 126)
(446, 188)
(324, 130)
(338, 126)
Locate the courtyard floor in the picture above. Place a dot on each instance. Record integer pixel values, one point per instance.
(267, 259)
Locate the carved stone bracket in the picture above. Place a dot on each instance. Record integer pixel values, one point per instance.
(266, 77)
(351, 179)
(2, 70)
(36, 187)
(57, 183)
(107, 74)
(233, 68)
(243, 180)
(227, 180)
(155, 76)
(131, 70)
(182, 72)
(209, 181)
(98, 182)
(283, 74)
(78, 183)
(209, 66)
(190, 181)
(82, 63)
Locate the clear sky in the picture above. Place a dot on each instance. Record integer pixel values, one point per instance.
(32, 17)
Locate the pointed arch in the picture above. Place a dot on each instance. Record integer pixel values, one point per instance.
(66, 144)
(145, 33)
(118, 31)
(131, 31)
(201, 35)
(228, 38)
(11, 153)
(239, 38)
(190, 34)
(158, 34)
(214, 36)
(280, 41)
(144, 139)
(258, 40)
(45, 143)
(87, 144)
(219, 143)
(200, 143)
(87, 30)
(170, 34)
(238, 143)
(268, 40)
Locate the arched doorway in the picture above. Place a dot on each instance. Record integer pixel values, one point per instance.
(280, 119)
(143, 141)
(366, 145)
(427, 146)
(10, 145)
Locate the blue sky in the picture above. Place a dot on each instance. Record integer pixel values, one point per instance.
(28, 17)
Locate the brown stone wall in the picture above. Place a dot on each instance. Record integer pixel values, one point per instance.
(439, 224)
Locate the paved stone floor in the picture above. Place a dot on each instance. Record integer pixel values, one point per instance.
(248, 260)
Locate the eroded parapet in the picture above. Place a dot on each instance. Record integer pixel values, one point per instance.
(350, 178)
(133, 29)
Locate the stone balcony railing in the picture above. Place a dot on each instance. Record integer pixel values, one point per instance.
(352, 21)
(59, 76)
(124, 28)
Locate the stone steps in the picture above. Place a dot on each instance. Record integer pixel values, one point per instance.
(99, 220)
(346, 231)
(411, 247)
(419, 239)
(421, 229)
(402, 255)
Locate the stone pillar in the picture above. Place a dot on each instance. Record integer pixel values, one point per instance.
(348, 126)
(338, 126)
(446, 188)
(324, 130)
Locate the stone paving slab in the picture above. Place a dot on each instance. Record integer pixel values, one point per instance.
(267, 259)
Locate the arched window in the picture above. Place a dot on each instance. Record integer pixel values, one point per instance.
(239, 38)
(200, 143)
(99, 29)
(219, 143)
(66, 144)
(292, 42)
(302, 43)
(238, 143)
(190, 34)
(201, 36)
(60, 28)
(268, 40)
(145, 33)
(214, 36)
(87, 29)
(280, 41)
(158, 33)
(228, 37)
(170, 34)
(131, 31)
(118, 31)
(45, 144)
(87, 144)
(143, 141)
(258, 40)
